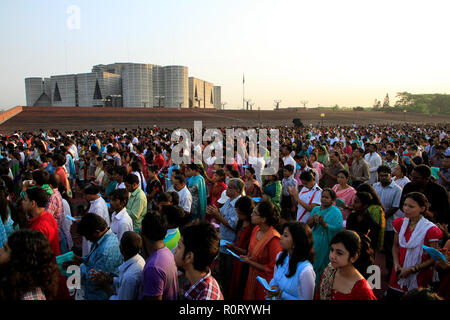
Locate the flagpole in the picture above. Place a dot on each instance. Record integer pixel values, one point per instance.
(243, 91)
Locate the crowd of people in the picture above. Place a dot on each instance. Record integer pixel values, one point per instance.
(140, 226)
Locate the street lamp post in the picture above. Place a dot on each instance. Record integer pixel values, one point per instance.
(404, 115)
(322, 115)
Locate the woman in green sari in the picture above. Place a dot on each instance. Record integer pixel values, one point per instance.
(325, 220)
(197, 187)
(376, 210)
(272, 190)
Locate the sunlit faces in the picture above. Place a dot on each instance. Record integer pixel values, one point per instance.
(256, 218)
(412, 209)
(341, 179)
(180, 260)
(384, 178)
(286, 241)
(340, 257)
(5, 254)
(326, 200)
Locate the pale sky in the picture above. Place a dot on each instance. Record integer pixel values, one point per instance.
(346, 52)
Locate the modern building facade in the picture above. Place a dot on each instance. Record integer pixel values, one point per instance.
(128, 85)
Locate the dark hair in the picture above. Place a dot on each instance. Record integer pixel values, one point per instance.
(164, 197)
(289, 167)
(180, 178)
(154, 226)
(331, 192)
(366, 255)
(153, 168)
(132, 179)
(38, 195)
(364, 197)
(418, 197)
(423, 170)
(267, 210)
(175, 198)
(4, 204)
(121, 171)
(30, 266)
(344, 172)
(41, 177)
(350, 239)
(384, 169)
(174, 215)
(91, 189)
(307, 175)
(54, 180)
(235, 173)
(131, 243)
(202, 239)
(59, 159)
(120, 194)
(90, 223)
(302, 238)
(421, 294)
(33, 163)
(365, 187)
(391, 153)
(251, 170)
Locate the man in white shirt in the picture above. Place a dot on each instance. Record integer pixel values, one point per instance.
(258, 163)
(120, 220)
(390, 196)
(127, 285)
(98, 206)
(374, 160)
(179, 185)
(287, 158)
(308, 197)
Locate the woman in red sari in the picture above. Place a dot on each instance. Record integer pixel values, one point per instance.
(262, 250)
(341, 280)
(244, 207)
(217, 189)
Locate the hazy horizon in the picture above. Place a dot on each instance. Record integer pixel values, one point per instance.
(326, 52)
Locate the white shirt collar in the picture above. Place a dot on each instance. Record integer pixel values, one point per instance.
(120, 214)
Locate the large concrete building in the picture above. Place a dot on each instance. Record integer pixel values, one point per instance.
(203, 94)
(124, 85)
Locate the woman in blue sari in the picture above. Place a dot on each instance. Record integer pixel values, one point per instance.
(197, 187)
(325, 220)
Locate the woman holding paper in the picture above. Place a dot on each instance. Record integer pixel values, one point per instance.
(294, 276)
(412, 266)
(262, 250)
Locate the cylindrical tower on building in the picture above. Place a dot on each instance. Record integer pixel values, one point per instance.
(137, 85)
(176, 86)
